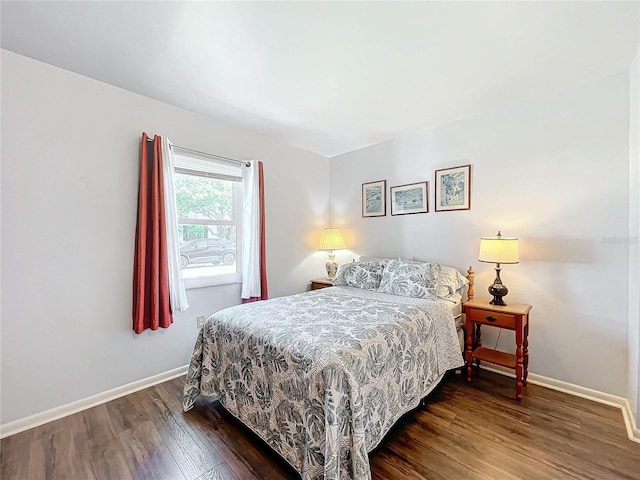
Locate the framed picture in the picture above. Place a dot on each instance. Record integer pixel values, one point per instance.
(374, 200)
(412, 198)
(453, 188)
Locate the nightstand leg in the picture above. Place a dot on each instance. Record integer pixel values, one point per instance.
(519, 370)
(469, 349)
(519, 358)
(478, 342)
(526, 353)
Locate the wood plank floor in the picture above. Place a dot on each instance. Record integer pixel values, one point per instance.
(476, 431)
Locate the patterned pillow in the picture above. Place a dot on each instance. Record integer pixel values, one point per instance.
(365, 275)
(450, 282)
(410, 279)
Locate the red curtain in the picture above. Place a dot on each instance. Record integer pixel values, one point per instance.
(264, 291)
(151, 303)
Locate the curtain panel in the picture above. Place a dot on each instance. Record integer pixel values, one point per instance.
(158, 288)
(254, 258)
(151, 303)
(177, 292)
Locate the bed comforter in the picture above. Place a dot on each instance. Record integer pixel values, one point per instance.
(323, 375)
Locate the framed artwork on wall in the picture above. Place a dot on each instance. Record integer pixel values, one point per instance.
(453, 188)
(412, 198)
(374, 200)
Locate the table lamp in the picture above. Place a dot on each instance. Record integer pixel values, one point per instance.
(331, 240)
(498, 250)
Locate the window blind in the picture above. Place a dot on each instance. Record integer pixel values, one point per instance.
(193, 163)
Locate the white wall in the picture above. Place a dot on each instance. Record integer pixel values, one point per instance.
(69, 191)
(634, 237)
(552, 171)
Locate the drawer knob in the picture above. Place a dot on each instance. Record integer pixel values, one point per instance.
(491, 319)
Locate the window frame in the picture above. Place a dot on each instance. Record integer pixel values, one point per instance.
(199, 277)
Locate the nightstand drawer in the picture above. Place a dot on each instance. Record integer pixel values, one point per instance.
(495, 319)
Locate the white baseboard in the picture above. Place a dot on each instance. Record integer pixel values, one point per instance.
(32, 421)
(47, 416)
(605, 398)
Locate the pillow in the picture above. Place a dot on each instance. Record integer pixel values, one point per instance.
(374, 259)
(365, 275)
(410, 279)
(450, 282)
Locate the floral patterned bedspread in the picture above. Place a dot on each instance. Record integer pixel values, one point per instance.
(323, 375)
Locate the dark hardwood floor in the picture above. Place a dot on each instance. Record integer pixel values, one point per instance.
(476, 431)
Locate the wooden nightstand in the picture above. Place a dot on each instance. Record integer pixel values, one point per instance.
(514, 316)
(319, 283)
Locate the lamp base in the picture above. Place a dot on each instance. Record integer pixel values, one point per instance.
(497, 299)
(498, 290)
(332, 267)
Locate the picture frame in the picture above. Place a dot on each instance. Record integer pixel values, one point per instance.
(453, 188)
(374, 200)
(409, 199)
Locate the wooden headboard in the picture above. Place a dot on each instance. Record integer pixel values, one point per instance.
(471, 277)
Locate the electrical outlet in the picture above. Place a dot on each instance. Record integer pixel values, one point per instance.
(200, 321)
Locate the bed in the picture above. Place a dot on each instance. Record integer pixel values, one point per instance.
(322, 376)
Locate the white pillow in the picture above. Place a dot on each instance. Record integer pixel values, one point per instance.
(451, 282)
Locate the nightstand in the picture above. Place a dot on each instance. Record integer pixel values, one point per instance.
(514, 316)
(319, 283)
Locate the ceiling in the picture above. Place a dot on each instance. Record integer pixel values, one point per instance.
(330, 77)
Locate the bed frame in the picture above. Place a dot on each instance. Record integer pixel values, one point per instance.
(470, 294)
(472, 278)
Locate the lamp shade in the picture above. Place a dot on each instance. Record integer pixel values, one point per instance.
(499, 249)
(331, 239)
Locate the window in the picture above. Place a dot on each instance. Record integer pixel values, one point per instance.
(209, 204)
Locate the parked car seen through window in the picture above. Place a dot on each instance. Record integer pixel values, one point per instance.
(209, 250)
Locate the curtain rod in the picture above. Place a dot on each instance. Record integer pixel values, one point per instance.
(246, 162)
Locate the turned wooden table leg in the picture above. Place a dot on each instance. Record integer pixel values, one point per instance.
(526, 353)
(478, 342)
(519, 370)
(469, 349)
(519, 357)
